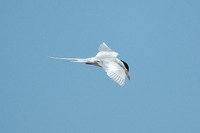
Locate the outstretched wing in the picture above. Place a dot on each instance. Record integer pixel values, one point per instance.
(115, 72)
(105, 51)
(104, 47)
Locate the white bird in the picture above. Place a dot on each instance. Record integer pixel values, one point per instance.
(107, 59)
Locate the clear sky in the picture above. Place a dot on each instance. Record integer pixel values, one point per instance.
(160, 40)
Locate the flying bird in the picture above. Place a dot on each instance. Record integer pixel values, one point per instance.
(106, 58)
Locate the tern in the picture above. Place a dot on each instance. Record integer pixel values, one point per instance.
(106, 58)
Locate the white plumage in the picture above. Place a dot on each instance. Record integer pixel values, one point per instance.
(106, 58)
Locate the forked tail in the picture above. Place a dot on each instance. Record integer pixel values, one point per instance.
(71, 59)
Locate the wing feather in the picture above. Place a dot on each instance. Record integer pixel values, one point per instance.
(105, 51)
(115, 72)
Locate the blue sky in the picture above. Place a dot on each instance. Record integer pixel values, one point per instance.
(160, 40)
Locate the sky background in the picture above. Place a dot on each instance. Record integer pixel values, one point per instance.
(160, 40)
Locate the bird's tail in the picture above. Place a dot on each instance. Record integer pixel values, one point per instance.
(71, 59)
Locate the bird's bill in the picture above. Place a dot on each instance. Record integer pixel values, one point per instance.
(127, 74)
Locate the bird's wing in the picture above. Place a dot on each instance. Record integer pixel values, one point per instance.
(105, 51)
(115, 72)
(104, 47)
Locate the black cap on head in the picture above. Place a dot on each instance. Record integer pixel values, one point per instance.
(126, 65)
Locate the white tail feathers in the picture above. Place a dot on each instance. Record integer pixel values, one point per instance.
(70, 59)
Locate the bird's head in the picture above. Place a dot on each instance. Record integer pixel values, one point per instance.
(127, 69)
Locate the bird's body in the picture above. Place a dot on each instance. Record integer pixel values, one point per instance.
(107, 59)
